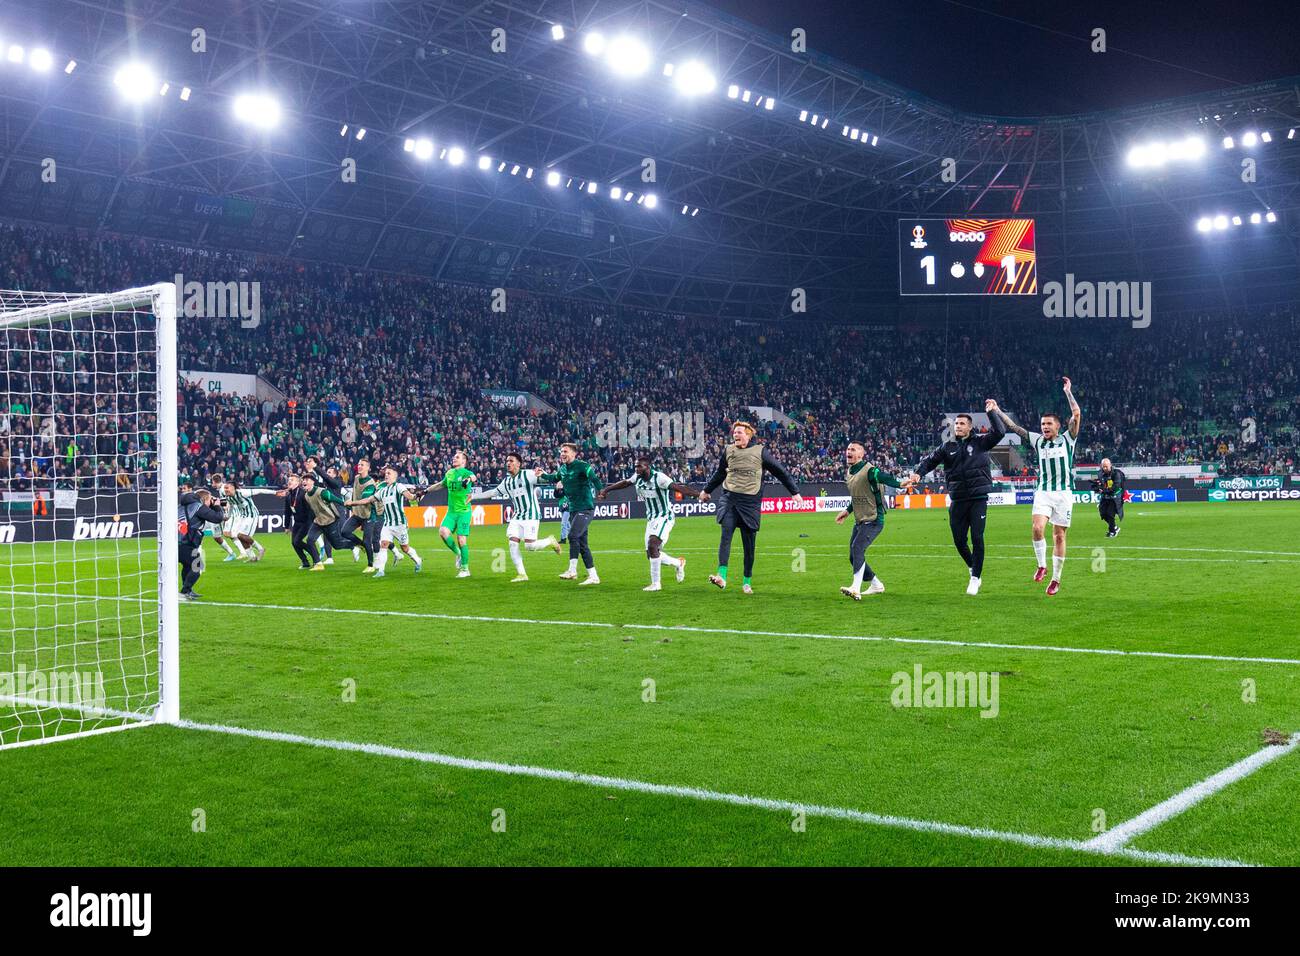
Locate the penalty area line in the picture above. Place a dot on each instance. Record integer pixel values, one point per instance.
(717, 796)
(807, 635)
(1120, 836)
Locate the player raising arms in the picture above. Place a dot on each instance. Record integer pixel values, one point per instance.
(968, 473)
(525, 512)
(387, 497)
(455, 527)
(867, 505)
(579, 480)
(244, 521)
(740, 473)
(1054, 491)
(654, 488)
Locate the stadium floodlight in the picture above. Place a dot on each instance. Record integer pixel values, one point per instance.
(557, 31)
(695, 79)
(733, 91)
(845, 132)
(814, 119)
(502, 167)
(552, 178)
(361, 133)
(825, 123)
(1204, 224)
(443, 154)
(409, 145)
(424, 149)
(257, 109)
(1236, 220)
(162, 90)
(745, 97)
(40, 60)
(1290, 134)
(875, 140)
(627, 56)
(455, 155)
(616, 192)
(1220, 222)
(651, 201)
(1228, 142)
(185, 95)
(1249, 139)
(135, 81)
(668, 69)
(1271, 216)
(72, 65)
(16, 53)
(485, 162)
(770, 104)
(640, 200)
(627, 196)
(1266, 136)
(1256, 218)
(592, 187)
(594, 43)
(854, 133)
(529, 174)
(803, 116)
(685, 207)
(344, 130)
(695, 211)
(515, 170)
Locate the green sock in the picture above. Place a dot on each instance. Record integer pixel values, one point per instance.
(746, 580)
(722, 571)
(450, 542)
(464, 556)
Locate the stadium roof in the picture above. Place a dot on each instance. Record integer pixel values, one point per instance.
(781, 203)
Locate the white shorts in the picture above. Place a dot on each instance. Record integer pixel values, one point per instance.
(660, 528)
(1055, 505)
(244, 526)
(391, 532)
(521, 529)
(216, 527)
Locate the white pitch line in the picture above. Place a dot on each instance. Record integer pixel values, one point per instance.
(1104, 651)
(805, 635)
(1119, 837)
(715, 796)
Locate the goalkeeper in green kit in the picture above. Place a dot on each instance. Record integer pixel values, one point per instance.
(455, 526)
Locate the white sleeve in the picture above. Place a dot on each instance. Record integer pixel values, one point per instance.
(663, 480)
(1034, 438)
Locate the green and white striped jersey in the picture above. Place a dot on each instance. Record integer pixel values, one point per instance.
(1055, 461)
(522, 491)
(390, 502)
(242, 505)
(654, 492)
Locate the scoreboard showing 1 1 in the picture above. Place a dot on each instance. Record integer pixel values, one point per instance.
(967, 257)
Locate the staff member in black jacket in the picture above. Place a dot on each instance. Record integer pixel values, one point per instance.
(193, 510)
(298, 520)
(968, 473)
(1109, 485)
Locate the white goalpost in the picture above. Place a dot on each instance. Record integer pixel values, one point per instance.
(89, 642)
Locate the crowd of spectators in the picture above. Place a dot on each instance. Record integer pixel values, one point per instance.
(396, 368)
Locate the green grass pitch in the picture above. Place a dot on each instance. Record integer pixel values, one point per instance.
(487, 670)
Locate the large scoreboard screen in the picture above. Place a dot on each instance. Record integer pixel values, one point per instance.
(967, 257)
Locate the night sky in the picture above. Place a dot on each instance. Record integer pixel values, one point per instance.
(1022, 58)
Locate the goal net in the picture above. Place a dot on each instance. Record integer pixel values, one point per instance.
(88, 637)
